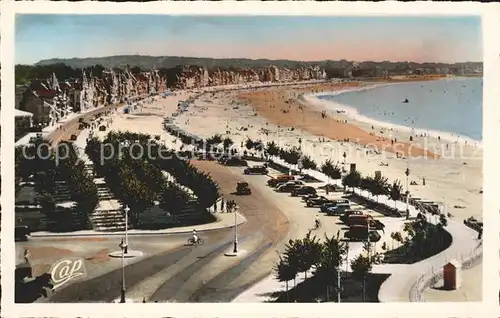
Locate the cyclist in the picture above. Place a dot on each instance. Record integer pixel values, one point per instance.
(317, 222)
(195, 236)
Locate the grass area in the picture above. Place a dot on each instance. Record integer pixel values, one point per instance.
(439, 241)
(315, 288)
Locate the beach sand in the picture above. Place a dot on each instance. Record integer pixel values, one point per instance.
(453, 176)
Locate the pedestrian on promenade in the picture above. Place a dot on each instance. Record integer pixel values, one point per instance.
(222, 205)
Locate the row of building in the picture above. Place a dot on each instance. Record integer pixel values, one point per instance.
(44, 102)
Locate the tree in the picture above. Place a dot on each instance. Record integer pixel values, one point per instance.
(272, 149)
(330, 170)
(308, 163)
(249, 144)
(367, 184)
(395, 191)
(442, 220)
(332, 252)
(227, 143)
(304, 253)
(379, 185)
(361, 266)
(284, 272)
(397, 237)
(352, 179)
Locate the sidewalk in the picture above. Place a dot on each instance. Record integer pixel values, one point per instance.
(397, 287)
(224, 220)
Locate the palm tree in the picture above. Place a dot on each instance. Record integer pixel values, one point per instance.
(361, 266)
(395, 192)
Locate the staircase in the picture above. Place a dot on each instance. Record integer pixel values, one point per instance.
(62, 192)
(108, 215)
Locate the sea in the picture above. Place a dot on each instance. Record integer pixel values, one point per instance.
(449, 108)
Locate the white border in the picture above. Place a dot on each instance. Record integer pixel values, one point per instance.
(491, 131)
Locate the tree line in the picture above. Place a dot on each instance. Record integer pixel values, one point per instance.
(137, 179)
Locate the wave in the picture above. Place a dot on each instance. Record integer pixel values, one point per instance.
(314, 100)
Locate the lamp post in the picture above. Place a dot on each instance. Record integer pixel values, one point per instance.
(407, 173)
(126, 210)
(123, 246)
(235, 248)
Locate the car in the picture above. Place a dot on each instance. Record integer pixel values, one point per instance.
(344, 217)
(360, 233)
(21, 233)
(287, 187)
(334, 203)
(235, 162)
(303, 191)
(280, 179)
(317, 201)
(309, 196)
(338, 209)
(256, 170)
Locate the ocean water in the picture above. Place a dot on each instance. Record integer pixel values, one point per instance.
(450, 108)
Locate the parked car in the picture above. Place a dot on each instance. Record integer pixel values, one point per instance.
(344, 217)
(256, 170)
(21, 233)
(338, 209)
(279, 180)
(334, 203)
(310, 196)
(358, 219)
(317, 201)
(303, 191)
(235, 162)
(287, 187)
(360, 233)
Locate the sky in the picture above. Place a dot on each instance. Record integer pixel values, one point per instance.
(303, 38)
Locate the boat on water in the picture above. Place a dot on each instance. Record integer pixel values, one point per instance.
(405, 101)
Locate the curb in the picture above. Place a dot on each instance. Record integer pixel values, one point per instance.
(159, 232)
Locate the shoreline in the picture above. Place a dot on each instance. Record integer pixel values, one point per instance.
(352, 113)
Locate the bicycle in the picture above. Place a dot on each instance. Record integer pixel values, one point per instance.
(317, 225)
(191, 241)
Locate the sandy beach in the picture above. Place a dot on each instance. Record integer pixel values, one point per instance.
(452, 175)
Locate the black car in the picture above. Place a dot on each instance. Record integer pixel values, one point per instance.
(360, 233)
(310, 196)
(235, 162)
(287, 187)
(256, 170)
(317, 201)
(303, 191)
(21, 233)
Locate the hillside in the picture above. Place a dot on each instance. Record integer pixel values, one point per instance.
(148, 62)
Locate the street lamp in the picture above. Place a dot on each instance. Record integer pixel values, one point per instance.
(123, 246)
(407, 173)
(235, 248)
(126, 210)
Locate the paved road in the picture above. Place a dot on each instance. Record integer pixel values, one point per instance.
(203, 273)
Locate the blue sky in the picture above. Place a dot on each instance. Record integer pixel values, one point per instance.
(416, 39)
